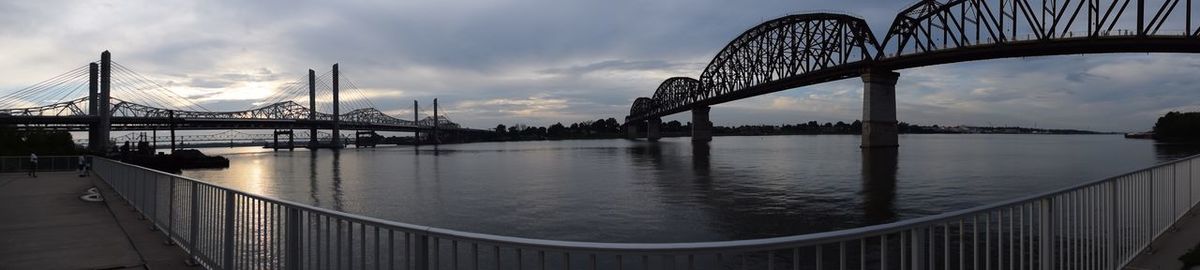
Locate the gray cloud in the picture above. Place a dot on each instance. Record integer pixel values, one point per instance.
(617, 65)
(543, 61)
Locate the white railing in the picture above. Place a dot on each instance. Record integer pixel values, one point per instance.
(45, 163)
(1096, 225)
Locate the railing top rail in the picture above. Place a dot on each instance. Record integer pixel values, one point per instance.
(735, 245)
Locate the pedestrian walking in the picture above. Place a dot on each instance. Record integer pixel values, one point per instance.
(82, 166)
(33, 162)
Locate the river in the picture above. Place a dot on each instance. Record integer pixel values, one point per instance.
(674, 191)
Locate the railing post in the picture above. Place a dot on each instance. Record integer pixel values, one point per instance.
(1150, 230)
(422, 253)
(292, 258)
(1114, 216)
(193, 227)
(154, 200)
(170, 208)
(918, 257)
(229, 241)
(1046, 233)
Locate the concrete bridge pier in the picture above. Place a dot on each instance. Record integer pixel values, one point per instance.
(631, 130)
(652, 126)
(879, 109)
(701, 126)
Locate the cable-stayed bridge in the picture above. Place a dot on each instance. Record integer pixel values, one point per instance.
(115, 97)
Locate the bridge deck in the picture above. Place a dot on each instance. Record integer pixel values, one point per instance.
(46, 226)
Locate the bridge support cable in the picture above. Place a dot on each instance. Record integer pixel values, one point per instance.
(139, 95)
(879, 109)
(33, 94)
(164, 93)
(362, 94)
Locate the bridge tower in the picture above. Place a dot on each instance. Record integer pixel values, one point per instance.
(701, 126)
(94, 144)
(337, 143)
(104, 104)
(652, 126)
(879, 109)
(312, 109)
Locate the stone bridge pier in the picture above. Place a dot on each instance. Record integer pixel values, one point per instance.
(652, 129)
(701, 126)
(879, 109)
(631, 130)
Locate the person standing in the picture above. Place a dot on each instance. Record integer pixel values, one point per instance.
(82, 166)
(33, 162)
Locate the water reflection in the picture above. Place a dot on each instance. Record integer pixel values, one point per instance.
(1172, 151)
(678, 191)
(312, 178)
(702, 161)
(338, 203)
(879, 166)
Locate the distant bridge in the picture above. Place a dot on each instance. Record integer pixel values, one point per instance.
(99, 112)
(806, 49)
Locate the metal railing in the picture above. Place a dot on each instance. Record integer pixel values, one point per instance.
(45, 163)
(1097, 225)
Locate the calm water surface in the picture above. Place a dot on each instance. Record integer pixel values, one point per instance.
(674, 191)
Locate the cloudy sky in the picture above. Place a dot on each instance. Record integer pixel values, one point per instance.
(537, 62)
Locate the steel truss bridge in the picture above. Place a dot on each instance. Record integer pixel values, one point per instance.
(806, 49)
(219, 137)
(147, 105)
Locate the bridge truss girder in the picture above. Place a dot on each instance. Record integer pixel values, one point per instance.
(806, 49)
(931, 25)
(69, 115)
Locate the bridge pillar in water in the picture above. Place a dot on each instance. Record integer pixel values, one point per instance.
(417, 123)
(631, 130)
(436, 138)
(104, 121)
(652, 126)
(701, 126)
(879, 109)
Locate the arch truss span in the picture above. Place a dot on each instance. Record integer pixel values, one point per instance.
(642, 107)
(785, 53)
(946, 31)
(674, 93)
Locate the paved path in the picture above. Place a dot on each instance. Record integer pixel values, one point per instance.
(1171, 245)
(47, 226)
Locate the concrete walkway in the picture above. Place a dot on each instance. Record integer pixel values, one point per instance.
(1171, 245)
(47, 226)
